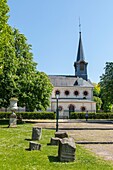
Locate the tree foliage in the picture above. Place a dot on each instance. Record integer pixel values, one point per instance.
(18, 75)
(8, 62)
(98, 103)
(96, 90)
(107, 82)
(96, 96)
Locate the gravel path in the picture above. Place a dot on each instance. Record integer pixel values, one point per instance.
(102, 150)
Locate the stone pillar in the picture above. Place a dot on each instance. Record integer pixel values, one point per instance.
(36, 133)
(13, 117)
(13, 120)
(66, 150)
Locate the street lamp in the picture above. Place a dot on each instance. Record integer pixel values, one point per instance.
(57, 110)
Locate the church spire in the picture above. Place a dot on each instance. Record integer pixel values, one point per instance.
(80, 53)
(80, 64)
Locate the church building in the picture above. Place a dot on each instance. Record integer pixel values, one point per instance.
(75, 91)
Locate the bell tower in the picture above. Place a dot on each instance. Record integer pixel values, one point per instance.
(80, 64)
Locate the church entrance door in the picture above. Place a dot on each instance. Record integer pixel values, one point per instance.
(71, 108)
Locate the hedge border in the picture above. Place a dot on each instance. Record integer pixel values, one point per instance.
(29, 115)
(75, 115)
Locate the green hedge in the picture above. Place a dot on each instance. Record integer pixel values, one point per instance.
(75, 115)
(29, 115)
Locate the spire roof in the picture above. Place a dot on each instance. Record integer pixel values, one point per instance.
(80, 54)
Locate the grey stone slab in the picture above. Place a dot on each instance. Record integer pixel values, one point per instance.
(36, 133)
(54, 141)
(66, 150)
(34, 146)
(61, 135)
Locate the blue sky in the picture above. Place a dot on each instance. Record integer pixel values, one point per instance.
(51, 27)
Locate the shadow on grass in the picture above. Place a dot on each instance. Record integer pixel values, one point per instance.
(28, 139)
(53, 158)
(28, 149)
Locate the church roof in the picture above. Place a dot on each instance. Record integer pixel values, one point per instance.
(67, 81)
(80, 54)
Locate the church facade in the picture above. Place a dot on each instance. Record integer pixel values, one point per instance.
(75, 91)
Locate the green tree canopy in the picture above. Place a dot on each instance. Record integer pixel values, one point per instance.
(96, 90)
(18, 75)
(8, 62)
(98, 103)
(106, 82)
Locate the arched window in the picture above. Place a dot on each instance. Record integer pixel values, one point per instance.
(60, 108)
(82, 66)
(71, 108)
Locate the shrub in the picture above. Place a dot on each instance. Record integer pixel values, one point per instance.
(29, 115)
(76, 115)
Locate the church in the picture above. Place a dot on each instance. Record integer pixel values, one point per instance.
(75, 91)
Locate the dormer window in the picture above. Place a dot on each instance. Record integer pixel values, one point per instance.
(76, 83)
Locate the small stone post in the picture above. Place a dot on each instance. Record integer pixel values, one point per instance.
(36, 133)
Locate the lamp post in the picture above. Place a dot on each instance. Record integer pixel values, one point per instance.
(57, 111)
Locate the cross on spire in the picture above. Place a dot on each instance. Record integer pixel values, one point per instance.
(79, 26)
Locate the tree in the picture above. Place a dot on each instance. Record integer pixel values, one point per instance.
(106, 82)
(96, 90)
(26, 71)
(18, 75)
(96, 96)
(43, 89)
(4, 9)
(98, 103)
(8, 62)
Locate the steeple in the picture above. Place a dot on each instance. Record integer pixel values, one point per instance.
(80, 54)
(80, 64)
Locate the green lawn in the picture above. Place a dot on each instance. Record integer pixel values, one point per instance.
(14, 153)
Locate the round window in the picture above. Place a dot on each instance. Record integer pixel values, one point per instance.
(57, 92)
(83, 108)
(85, 93)
(76, 93)
(66, 92)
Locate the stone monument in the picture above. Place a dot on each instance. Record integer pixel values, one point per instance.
(36, 133)
(34, 146)
(66, 150)
(13, 117)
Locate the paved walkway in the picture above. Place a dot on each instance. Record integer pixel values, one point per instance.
(95, 135)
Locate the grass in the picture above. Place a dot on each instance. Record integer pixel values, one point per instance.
(14, 153)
